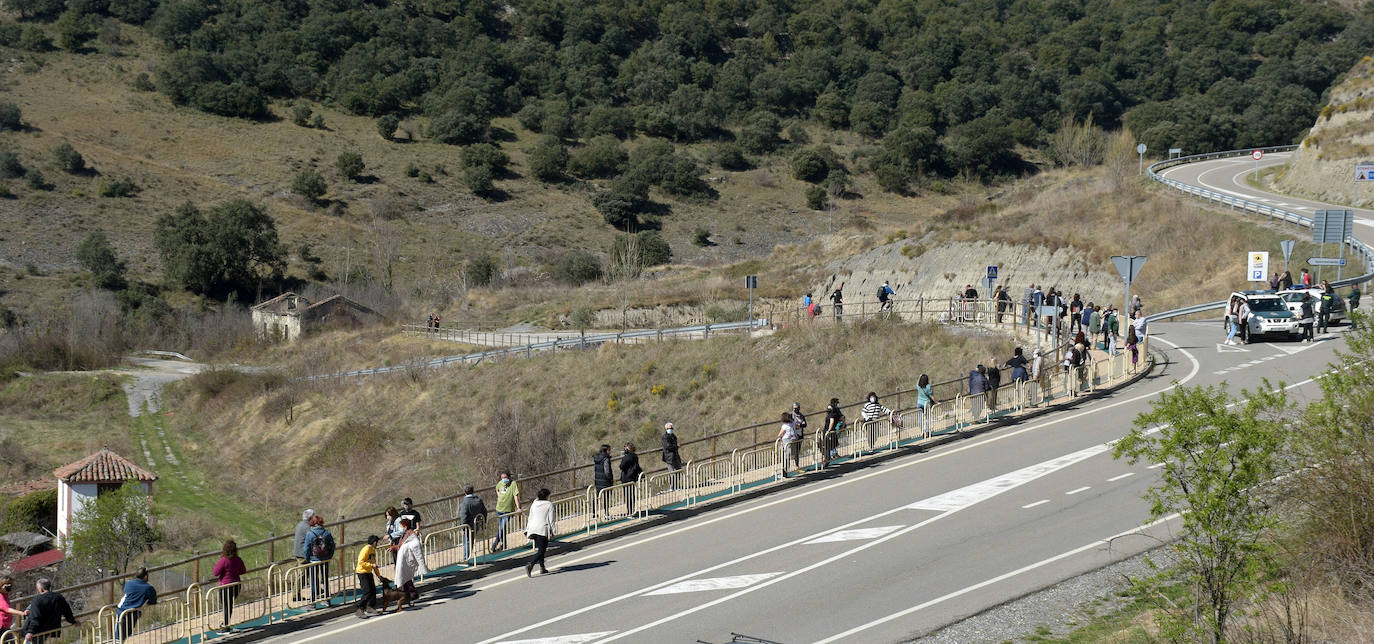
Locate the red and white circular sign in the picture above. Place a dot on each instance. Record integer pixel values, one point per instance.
(1257, 155)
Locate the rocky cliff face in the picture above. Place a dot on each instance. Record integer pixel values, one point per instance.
(1324, 165)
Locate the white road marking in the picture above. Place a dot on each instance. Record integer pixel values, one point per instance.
(963, 497)
(1031, 505)
(983, 584)
(716, 583)
(565, 639)
(1155, 466)
(1085, 488)
(860, 534)
(1118, 477)
(1222, 347)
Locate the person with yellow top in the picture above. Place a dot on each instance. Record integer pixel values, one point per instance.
(366, 568)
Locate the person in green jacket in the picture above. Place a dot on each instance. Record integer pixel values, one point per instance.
(1095, 322)
(1354, 304)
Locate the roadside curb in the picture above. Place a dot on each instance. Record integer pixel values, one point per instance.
(668, 517)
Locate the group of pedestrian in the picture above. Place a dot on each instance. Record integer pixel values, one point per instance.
(432, 322)
(1283, 281)
(43, 618)
(605, 468)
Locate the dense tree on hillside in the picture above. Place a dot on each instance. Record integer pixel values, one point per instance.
(97, 256)
(232, 249)
(1181, 74)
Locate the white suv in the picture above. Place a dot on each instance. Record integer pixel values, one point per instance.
(1293, 297)
(1269, 315)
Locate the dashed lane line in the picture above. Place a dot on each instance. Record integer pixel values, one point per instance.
(1118, 477)
(1072, 492)
(1031, 505)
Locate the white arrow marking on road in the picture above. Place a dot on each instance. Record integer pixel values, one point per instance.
(718, 583)
(857, 535)
(565, 639)
(1222, 347)
(971, 494)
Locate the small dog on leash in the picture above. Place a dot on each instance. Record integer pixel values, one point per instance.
(391, 593)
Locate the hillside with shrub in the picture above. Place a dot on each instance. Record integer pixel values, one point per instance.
(419, 149)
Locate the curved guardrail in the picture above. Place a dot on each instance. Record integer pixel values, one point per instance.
(1245, 206)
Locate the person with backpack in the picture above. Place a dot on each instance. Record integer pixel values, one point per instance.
(298, 547)
(885, 292)
(799, 419)
(1003, 303)
(837, 300)
(630, 472)
(830, 436)
(319, 550)
(925, 400)
(472, 512)
(603, 474)
(791, 443)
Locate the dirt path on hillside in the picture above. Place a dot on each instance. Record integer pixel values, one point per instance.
(149, 376)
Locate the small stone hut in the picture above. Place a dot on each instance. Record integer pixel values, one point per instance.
(288, 315)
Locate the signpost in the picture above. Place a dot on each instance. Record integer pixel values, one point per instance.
(1326, 261)
(1257, 155)
(1331, 227)
(751, 282)
(1287, 247)
(1128, 266)
(1364, 171)
(1257, 262)
(1140, 149)
(1175, 152)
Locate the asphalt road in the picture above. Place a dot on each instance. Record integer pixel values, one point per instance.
(881, 553)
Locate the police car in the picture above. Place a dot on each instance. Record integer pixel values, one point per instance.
(1293, 297)
(1269, 315)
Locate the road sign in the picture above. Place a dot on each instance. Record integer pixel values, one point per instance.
(1364, 172)
(1332, 226)
(1287, 246)
(987, 286)
(1047, 311)
(1257, 155)
(1140, 149)
(992, 272)
(1128, 266)
(751, 281)
(1258, 263)
(1175, 152)
(1326, 261)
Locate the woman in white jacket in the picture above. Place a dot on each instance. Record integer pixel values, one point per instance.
(410, 560)
(539, 528)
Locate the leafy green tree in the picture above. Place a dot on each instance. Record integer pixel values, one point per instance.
(815, 198)
(730, 156)
(10, 166)
(479, 179)
(481, 270)
(11, 118)
(117, 188)
(831, 110)
(175, 21)
(387, 124)
(631, 254)
(548, 159)
(109, 532)
(68, 159)
(301, 113)
(33, 38)
(760, 133)
(75, 29)
(309, 184)
(621, 203)
(39, 9)
(810, 165)
(601, 157)
(350, 165)
(134, 12)
(1219, 453)
(97, 256)
(233, 249)
(485, 154)
(577, 267)
(457, 128)
(702, 237)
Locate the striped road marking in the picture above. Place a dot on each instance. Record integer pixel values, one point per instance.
(716, 583)
(564, 639)
(857, 535)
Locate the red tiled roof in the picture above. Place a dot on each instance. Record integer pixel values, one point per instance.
(103, 467)
(28, 487)
(45, 558)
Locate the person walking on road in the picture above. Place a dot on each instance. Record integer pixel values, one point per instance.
(137, 594)
(603, 474)
(791, 443)
(230, 570)
(366, 569)
(1307, 313)
(540, 529)
(1327, 302)
(507, 504)
(1003, 303)
(45, 614)
(410, 561)
(629, 473)
(298, 547)
(799, 419)
(885, 294)
(671, 458)
(319, 548)
(472, 512)
(829, 442)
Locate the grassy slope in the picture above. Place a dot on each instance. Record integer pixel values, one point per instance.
(49, 420)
